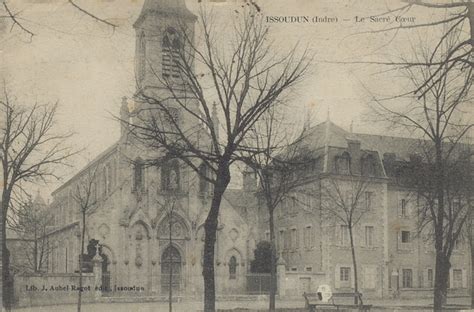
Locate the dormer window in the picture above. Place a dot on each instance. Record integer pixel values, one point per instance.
(343, 163)
(171, 46)
(368, 165)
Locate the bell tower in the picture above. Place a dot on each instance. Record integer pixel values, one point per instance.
(158, 40)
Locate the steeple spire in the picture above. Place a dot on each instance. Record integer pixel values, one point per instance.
(164, 7)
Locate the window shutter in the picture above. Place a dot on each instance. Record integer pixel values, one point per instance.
(399, 205)
(337, 276)
(451, 278)
(352, 277)
(297, 234)
(399, 239)
(464, 278)
(425, 278)
(416, 279)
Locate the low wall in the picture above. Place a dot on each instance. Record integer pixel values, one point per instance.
(47, 289)
(428, 293)
(294, 284)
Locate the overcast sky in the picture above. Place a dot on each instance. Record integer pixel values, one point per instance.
(88, 68)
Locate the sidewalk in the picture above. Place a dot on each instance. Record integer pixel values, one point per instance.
(378, 305)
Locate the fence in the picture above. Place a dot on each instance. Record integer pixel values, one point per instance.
(258, 284)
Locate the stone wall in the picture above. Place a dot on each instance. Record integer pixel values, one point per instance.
(294, 284)
(49, 289)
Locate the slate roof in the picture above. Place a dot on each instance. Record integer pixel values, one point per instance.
(330, 135)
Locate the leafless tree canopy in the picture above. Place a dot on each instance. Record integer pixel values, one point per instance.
(215, 95)
(30, 152)
(456, 30)
(31, 223)
(9, 12)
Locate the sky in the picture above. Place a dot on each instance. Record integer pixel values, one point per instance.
(87, 67)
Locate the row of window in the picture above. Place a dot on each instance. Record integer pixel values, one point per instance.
(170, 177)
(405, 239)
(343, 164)
(344, 235)
(290, 239)
(105, 181)
(457, 280)
(307, 202)
(406, 278)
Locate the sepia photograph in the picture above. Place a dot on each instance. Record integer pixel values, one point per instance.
(236, 155)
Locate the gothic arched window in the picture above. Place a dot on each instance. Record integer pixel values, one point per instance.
(142, 56)
(203, 184)
(343, 163)
(170, 176)
(138, 176)
(171, 46)
(232, 267)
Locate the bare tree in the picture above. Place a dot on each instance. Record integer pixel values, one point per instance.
(420, 175)
(16, 21)
(169, 207)
(85, 195)
(30, 151)
(453, 19)
(31, 223)
(245, 77)
(343, 202)
(436, 116)
(280, 168)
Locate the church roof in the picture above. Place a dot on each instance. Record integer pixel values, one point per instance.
(164, 6)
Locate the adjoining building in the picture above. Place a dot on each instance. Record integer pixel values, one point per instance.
(393, 258)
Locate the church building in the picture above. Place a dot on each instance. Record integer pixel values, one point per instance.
(149, 220)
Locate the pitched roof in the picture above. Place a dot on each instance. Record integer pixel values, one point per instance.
(328, 134)
(166, 7)
(401, 147)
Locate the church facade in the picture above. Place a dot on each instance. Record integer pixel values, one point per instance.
(149, 220)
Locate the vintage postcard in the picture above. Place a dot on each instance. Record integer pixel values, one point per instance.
(217, 155)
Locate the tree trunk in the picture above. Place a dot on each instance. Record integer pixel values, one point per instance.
(354, 263)
(170, 294)
(440, 289)
(35, 250)
(210, 227)
(442, 267)
(472, 271)
(273, 286)
(83, 234)
(7, 292)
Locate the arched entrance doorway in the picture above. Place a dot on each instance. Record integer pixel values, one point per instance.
(170, 270)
